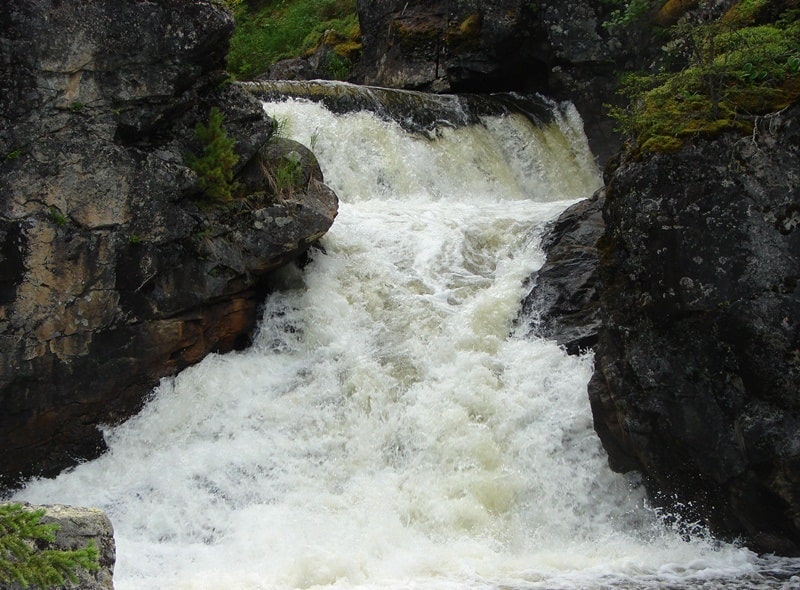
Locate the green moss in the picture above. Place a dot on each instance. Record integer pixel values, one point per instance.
(465, 36)
(738, 71)
(744, 13)
(664, 144)
(57, 217)
(272, 30)
(348, 49)
(415, 35)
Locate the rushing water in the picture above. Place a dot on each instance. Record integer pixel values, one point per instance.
(385, 431)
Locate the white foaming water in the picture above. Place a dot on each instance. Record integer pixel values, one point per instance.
(385, 431)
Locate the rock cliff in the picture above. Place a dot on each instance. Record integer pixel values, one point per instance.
(114, 270)
(698, 362)
(691, 298)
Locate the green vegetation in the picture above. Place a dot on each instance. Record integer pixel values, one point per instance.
(627, 12)
(232, 4)
(24, 558)
(286, 177)
(214, 168)
(734, 69)
(270, 30)
(57, 216)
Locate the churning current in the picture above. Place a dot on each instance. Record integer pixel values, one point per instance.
(385, 431)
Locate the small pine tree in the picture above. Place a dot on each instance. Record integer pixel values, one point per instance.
(25, 558)
(214, 168)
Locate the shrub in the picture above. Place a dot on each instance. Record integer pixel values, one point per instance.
(214, 168)
(627, 12)
(24, 561)
(270, 31)
(736, 69)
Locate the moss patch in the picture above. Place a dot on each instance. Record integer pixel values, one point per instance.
(740, 67)
(270, 30)
(465, 35)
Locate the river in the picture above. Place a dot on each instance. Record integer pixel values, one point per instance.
(387, 429)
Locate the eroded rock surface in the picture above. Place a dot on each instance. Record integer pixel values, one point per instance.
(113, 270)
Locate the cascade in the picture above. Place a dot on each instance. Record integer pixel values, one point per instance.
(387, 429)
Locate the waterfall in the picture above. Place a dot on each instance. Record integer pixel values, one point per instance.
(384, 430)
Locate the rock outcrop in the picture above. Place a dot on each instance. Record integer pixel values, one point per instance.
(447, 44)
(114, 270)
(77, 527)
(698, 362)
(564, 301)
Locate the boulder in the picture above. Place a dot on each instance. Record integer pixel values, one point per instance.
(564, 301)
(77, 527)
(698, 361)
(115, 270)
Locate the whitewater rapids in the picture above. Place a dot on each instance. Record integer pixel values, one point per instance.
(387, 430)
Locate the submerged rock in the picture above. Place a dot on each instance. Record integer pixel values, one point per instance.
(698, 362)
(114, 270)
(422, 113)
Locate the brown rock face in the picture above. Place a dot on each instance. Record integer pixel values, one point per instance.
(113, 272)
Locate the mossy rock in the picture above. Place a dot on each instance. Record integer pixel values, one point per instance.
(672, 10)
(465, 35)
(348, 49)
(416, 32)
(661, 144)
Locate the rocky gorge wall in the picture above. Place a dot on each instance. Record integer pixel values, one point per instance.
(681, 275)
(559, 49)
(698, 362)
(114, 269)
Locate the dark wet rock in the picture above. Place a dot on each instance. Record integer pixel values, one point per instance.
(560, 49)
(698, 362)
(564, 302)
(423, 113)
